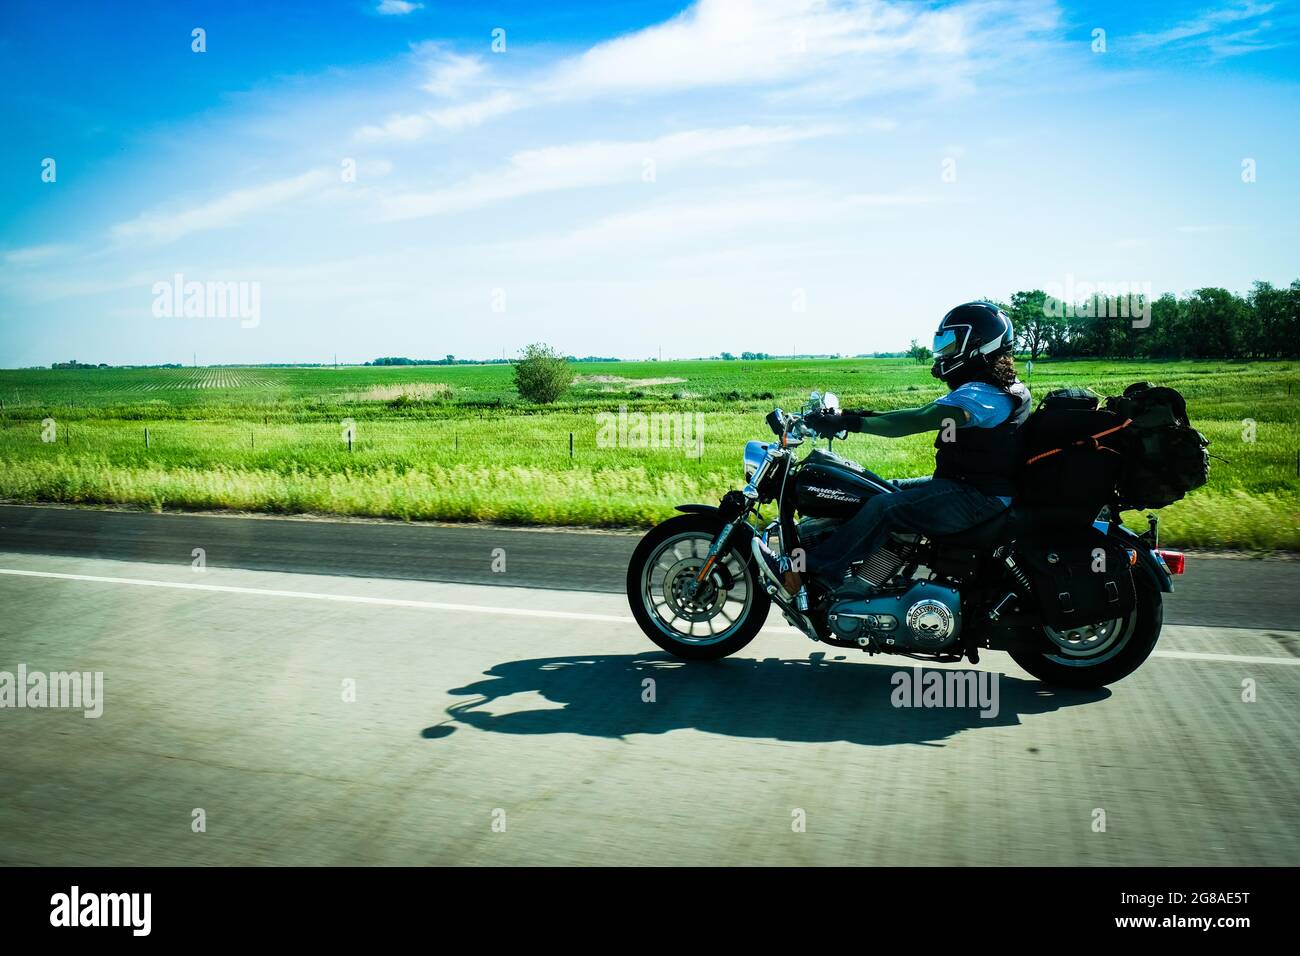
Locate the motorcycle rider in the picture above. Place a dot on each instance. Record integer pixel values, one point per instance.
(976, 449)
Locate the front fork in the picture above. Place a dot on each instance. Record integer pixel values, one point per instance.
(733, 509)
(796, 609)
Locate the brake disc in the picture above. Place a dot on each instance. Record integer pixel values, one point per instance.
(704, 604)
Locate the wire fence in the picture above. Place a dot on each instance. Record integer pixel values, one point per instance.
(328, 438)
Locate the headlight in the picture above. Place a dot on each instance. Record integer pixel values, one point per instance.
(755, 455)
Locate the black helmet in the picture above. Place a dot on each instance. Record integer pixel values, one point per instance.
(969, 337)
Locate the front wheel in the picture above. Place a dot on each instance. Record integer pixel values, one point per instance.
(695, 620)
(1100, 653)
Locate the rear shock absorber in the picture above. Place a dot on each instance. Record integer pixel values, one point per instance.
(1018, 574)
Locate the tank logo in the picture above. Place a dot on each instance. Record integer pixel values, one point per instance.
(834, 494)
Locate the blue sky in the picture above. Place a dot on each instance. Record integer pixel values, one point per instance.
(617, 178)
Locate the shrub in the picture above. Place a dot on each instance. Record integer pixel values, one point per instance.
(542, 375)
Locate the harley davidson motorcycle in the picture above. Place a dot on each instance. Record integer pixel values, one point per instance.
(696, 590)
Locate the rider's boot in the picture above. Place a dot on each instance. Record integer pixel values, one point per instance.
(775, 568)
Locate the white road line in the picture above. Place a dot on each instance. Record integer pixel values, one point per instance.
(1230, 658)
(317, 596)
(509, 611)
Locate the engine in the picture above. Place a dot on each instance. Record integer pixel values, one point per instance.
(920, 616)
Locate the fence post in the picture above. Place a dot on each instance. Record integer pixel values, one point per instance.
(570, 444)
(146, 438)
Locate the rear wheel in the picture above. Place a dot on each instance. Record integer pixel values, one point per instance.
(691, 619)
(1099, 653)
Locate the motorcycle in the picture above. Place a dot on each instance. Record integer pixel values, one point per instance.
(695, 587)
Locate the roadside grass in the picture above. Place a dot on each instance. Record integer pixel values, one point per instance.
(455, 443)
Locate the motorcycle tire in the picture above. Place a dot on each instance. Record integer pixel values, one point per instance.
(698, 530)
(1047, 659)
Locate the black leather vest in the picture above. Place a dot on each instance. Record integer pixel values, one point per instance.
(988, 458)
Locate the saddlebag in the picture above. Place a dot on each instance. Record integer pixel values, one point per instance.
(1081, 581)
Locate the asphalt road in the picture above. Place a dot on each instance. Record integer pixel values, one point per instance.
(394, 716)
(1225, 592)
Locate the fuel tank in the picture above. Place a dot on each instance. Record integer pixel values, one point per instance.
(828, 485)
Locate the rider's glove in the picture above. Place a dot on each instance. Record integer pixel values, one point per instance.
(828, 423)
(832, 423)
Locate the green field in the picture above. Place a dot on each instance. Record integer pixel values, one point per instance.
(456, 443)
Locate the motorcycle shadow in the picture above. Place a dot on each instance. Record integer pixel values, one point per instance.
(811, 700)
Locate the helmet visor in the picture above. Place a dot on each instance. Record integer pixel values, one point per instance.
(948, 342)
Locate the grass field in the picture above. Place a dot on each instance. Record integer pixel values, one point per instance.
(456, 443)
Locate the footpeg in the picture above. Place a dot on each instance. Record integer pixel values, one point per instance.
(996, 612)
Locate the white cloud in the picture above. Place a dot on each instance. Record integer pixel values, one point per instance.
(397, 8)
(672, 225)
(28, 255)
(228, 210)
(587, 164)
(811, 49)
(409, 127)
(416, 126)
(730, 42)
(1202, 30)
(450, 73)
(476, 111)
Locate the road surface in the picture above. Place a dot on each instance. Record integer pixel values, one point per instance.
(360, 693)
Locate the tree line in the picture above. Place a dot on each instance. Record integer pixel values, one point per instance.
(1207, 323)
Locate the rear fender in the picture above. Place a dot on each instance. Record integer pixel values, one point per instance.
(1148, 563)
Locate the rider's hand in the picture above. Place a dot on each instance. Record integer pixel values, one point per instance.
(826, 423)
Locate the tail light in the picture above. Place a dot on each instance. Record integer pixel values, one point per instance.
(1175, 561)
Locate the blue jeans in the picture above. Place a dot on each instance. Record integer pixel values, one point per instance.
(928, 506)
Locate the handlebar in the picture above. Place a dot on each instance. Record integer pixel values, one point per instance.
(794, 427)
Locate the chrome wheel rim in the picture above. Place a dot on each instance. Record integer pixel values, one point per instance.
(1091, 644)
(700, 615)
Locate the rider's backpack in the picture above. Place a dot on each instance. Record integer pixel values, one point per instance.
(1134, 451)
(1085, 579)
(1073, 458)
